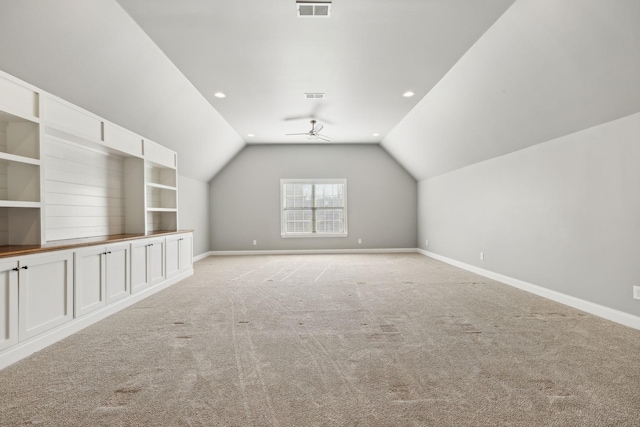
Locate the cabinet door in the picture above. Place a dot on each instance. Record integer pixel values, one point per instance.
(8, 304)
(186, 252)
(46, 292)
(155, 258)
(173, 255)
(89, 279)
(139, 265)
(117, 272)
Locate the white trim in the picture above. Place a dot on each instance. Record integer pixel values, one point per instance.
(586, 306)
(201, 256)
(312, 235)
(315, 251)
(24, 349)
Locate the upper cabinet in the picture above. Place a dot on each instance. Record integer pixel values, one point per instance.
(67, 173)
(18, 98)
(120, 139)
(68, 118)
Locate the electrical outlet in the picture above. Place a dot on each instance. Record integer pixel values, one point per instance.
(636, 292)
(359, 241)
(426, 243)
(481, 256)
(255, 242)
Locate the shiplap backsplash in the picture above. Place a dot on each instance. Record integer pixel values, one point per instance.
(84, 191)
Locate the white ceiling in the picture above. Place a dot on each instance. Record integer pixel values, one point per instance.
(364, 57)
(545, 69)
(490, 77)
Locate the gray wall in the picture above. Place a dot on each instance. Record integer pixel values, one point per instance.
(564, 214)
(245, 197)
(193, 204)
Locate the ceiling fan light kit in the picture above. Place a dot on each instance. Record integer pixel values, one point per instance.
(314, 133)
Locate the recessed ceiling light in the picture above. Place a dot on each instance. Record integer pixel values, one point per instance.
(375, 134)
(408, 94)
(250, 135)
(219, 95)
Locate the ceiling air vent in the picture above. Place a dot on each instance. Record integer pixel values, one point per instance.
(313, 9)
(314, 95)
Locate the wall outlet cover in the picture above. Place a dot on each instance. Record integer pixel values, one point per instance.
(636, 292)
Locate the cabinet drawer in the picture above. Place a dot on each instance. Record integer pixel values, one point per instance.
(72, 119)
(17, 99)
(122, 140)
(156, 153)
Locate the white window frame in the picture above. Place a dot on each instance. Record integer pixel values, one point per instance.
(283, 232)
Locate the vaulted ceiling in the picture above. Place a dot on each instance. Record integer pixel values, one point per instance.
(490, 76)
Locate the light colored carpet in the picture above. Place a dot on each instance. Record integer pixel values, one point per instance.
(333, 340)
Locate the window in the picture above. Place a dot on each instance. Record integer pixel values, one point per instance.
(314, 207)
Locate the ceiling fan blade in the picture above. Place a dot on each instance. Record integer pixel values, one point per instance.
(323, 137)
(319, 127)
(305, 117)
(306, 133)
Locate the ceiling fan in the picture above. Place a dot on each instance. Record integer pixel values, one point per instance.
(314, 132)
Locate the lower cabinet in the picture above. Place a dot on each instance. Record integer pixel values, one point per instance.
(179, 253)
(8, 304)
(40, 292)
(147, 263)
(45, 293)
(101, 276)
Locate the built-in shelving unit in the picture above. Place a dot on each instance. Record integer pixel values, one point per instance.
(86, 210)
(161, 189)
(20, 185)
(66, 173)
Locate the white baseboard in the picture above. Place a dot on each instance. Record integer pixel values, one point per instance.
(30, 346)
(314, 251)
(201, 256)
(586, 306)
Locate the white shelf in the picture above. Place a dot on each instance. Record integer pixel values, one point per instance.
(19, 204)
(17, 117)
(162, 210)
(161, 186)
(19, 159)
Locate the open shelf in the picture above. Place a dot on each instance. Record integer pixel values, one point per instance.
(19, 181)
(162, 220)
(19, 225)
(19, 137)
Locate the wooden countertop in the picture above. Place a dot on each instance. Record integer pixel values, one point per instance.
(58, 245)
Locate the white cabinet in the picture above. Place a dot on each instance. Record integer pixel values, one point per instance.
(179, 253)
(45, 292)
(89, 280)
(118, 279)
(122, 140)
(71, 119)
(101, 276)
(156, 153)
(8, 304)
(147, 263)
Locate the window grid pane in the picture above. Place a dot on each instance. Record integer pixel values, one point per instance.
(313, 208)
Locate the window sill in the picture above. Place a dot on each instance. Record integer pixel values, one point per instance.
(311, 235)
